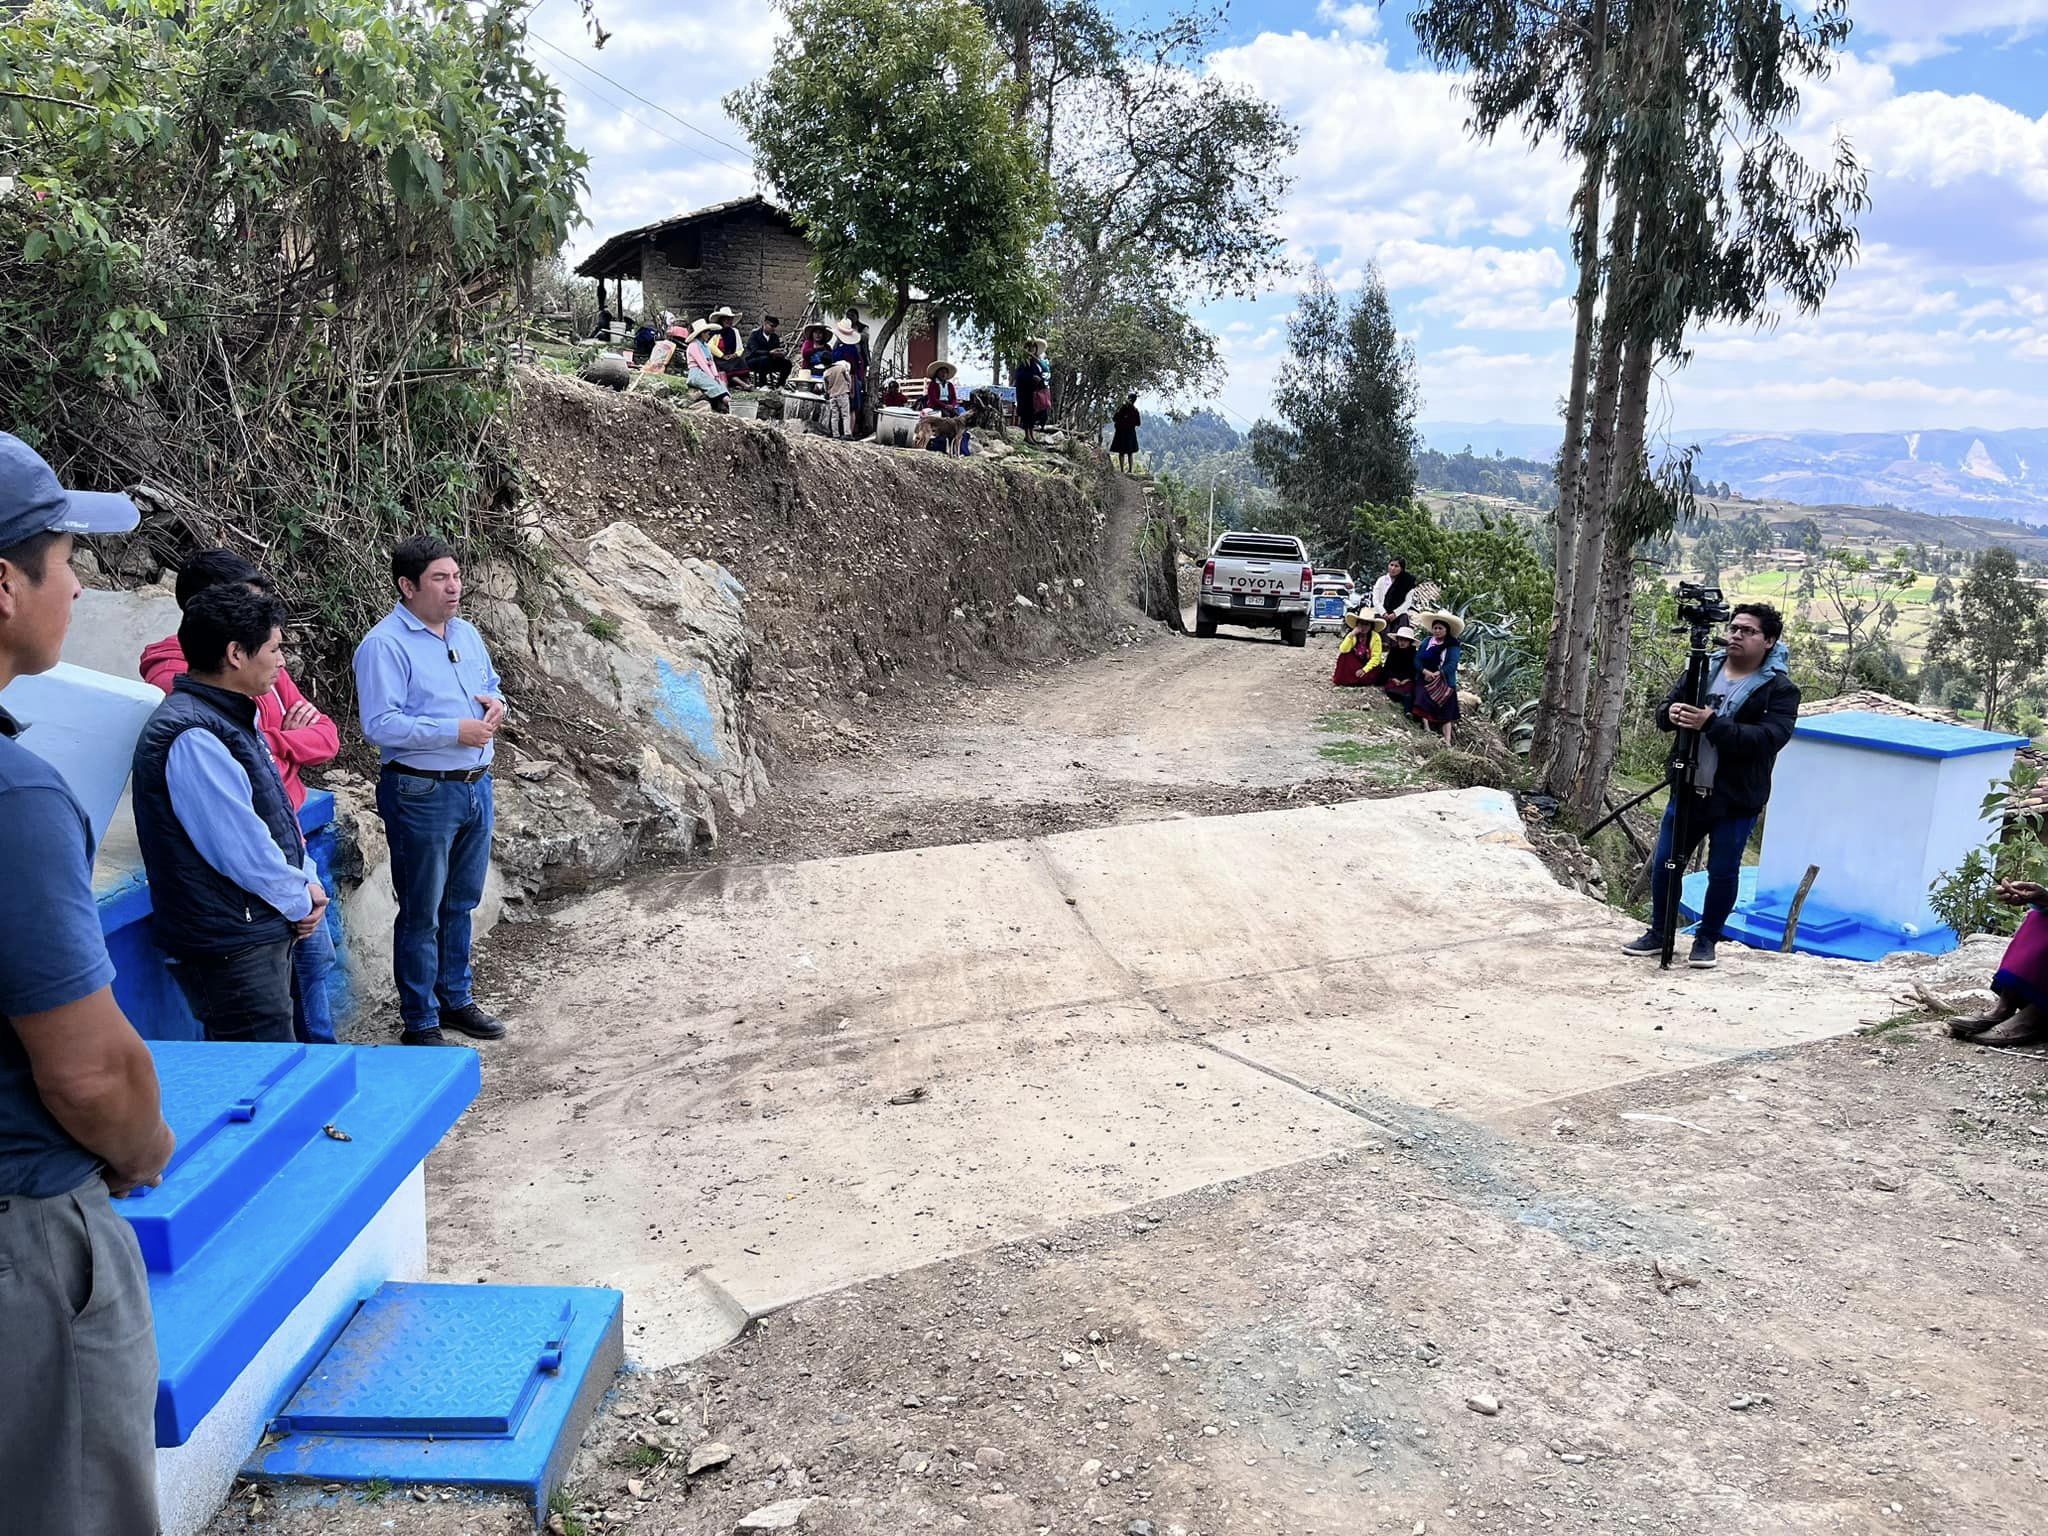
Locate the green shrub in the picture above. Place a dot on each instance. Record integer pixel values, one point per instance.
(1965, 898)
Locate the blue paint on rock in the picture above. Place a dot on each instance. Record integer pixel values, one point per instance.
(680, 706)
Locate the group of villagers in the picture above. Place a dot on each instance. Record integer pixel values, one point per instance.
(1412, 657)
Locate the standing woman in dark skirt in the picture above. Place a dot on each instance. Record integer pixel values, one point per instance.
(1034, 389)
(1124, 444)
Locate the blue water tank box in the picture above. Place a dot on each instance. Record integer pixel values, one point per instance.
(297, 1191)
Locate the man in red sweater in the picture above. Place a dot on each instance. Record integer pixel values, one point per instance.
(299, 737)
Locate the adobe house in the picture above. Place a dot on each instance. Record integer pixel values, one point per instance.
(749, 254)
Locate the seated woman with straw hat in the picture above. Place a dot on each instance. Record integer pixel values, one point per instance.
(1397, 672)
(726, 348)
(940, 424)
(1436, 673)
(1362, 657)
(703, 367)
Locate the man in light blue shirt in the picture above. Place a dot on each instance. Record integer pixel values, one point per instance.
(231, 888)
(431, 703)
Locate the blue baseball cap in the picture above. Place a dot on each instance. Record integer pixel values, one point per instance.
(32, 502)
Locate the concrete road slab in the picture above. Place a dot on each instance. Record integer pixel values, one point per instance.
(696, 1103)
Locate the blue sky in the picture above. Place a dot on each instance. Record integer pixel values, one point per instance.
(1943, 322)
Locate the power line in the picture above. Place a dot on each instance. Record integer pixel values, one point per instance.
(628, 113)
(590, 69)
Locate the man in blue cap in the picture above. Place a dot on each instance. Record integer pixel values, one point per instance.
(80, 1117)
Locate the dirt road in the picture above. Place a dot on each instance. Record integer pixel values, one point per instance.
(1159, 729)
(1170, 1140)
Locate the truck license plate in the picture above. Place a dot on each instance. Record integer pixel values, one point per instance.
(1254, 599)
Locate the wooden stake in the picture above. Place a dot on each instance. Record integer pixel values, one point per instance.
(1798, 901)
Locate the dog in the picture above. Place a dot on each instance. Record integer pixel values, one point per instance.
(946, 429)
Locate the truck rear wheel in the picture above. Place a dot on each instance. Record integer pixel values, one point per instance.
(1297, 634)
(1205, 627)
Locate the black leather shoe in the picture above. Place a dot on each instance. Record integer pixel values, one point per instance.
(424, 1037)
(472, 1021)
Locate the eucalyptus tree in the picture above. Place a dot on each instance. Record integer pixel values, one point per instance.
(1679, 111)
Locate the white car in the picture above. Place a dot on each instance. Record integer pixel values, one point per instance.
(1256, 581)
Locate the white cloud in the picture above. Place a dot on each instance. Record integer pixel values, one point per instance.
(1921, 29)
(1384, 151)
(1357, 20)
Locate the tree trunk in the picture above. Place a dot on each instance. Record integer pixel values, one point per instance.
(1020, 60)
(1571, 457)
(1617, 641)
(876, 353)
(1568, 735)
(1617, 588)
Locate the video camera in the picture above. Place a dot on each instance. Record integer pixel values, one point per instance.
(1701, 607)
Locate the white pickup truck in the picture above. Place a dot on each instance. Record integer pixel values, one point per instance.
(1256, 581)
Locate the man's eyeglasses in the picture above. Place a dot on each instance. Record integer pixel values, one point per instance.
(1744, 629)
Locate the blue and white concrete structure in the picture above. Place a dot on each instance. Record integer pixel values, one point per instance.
(1884, 806)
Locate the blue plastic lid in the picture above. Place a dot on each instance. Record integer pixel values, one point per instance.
(434, 1360)
(1903, 734)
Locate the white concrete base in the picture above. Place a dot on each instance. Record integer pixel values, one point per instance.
(192, 1479)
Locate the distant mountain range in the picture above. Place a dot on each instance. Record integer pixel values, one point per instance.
(1950, 473)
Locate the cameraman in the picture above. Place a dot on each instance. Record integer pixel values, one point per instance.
(1751, 706)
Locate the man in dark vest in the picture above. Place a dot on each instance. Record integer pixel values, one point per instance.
(231, 889)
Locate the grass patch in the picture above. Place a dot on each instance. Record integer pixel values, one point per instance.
(1896, 1022)
(559, 1503)
(376, 1490)
(1360, 754)
(646, 1457)
(1348, 722)
(603, 627)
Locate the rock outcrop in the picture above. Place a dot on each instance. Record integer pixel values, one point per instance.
(631, 732)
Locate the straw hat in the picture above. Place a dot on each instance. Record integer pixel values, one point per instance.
(845, 331)
(1364, 616)
(725, 313)
(702, 328)
(1449, 621)
(941, 366)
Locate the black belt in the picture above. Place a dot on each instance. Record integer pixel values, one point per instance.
(446, 775)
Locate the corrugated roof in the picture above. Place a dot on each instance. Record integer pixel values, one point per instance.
(1880, 704)
(620, 255)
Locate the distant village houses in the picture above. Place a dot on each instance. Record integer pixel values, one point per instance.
(749, 254)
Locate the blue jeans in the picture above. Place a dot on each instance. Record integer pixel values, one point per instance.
(312, 959)
(440, 835)
(1726, 837)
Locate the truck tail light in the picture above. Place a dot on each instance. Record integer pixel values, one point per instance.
(1307, 576)
(1209, 574)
